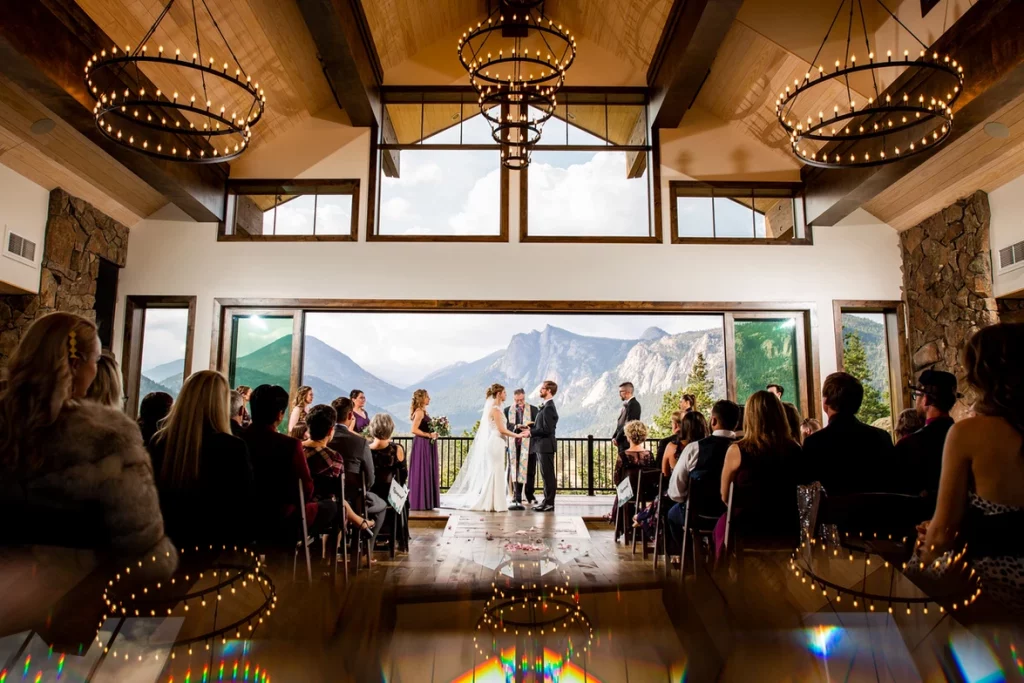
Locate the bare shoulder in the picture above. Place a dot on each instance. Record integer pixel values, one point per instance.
(982, 429)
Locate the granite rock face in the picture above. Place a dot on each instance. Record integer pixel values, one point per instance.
(947, 283)
(77, 237)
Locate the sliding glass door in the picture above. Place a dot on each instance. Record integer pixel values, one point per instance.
(767, 347)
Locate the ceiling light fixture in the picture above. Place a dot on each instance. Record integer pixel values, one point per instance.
(516, 60)
(166, 124)
(914, 115)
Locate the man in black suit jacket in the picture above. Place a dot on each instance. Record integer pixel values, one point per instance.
(848, 456)
(920, 454)
(355, 451)
(630, 411)
(517, 416)
(544, 444)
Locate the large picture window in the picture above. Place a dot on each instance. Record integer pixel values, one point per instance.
(291, 210)
(157, 352)
(744, 213)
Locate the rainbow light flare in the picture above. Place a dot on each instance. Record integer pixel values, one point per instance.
(677, 672)
(822, 639)
(60, 667)
(502, 669)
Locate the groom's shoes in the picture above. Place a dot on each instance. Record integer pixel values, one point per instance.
(544, 508)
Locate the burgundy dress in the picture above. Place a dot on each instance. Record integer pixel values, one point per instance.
(424, 471)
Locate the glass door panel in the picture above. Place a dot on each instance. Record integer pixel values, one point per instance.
(262, 351)
(768, 349)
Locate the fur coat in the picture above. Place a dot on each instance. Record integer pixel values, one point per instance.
(102, 460)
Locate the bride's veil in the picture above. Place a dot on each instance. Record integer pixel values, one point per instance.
(474, 472)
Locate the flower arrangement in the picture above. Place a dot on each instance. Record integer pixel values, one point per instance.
(440, 426)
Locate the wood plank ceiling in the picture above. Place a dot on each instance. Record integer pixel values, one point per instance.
(269, 38)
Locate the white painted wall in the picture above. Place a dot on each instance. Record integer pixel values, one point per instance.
(23, 208)
(858, 259)
(1007, 227)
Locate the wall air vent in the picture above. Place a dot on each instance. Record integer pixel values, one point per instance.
(1011, 257)
(19, 248)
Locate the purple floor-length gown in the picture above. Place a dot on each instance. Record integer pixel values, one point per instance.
(424, 472)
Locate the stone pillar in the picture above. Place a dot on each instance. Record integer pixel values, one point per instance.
(77, 237)
(947, 283)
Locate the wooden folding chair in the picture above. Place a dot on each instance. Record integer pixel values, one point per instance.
(304, 541)
(639, 500)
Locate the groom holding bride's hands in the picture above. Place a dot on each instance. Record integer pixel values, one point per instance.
(543, 443)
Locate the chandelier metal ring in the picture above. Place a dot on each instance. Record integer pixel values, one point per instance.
(478, 65)
(132, 108)
(505, 123)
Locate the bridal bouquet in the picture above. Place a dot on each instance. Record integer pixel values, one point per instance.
(440, 426)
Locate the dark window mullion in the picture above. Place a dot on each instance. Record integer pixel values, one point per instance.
(714, 224)
(315, 198)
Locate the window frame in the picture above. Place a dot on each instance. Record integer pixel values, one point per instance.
(134, 337)
(679, 188)
(896, 349)
(296, 187)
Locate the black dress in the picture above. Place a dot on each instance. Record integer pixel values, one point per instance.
(387, 467)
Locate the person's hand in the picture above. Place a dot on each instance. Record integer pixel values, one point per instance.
(922, 530)
(434, 435)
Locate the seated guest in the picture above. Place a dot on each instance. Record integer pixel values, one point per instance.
(693, 427)
(702, 459)
(808, 427)
(739, 423)
(325, 465)
(155, 406)
(687, 403)
(106, 388)
(631, 459)
(920, 454)
(245, 392)
(237, 411)
(278, 464)
(355, 451)
(58, 452)
(761, 469)
(300, 431)
(777, 389)
(793, 418)
(297, 418)
(981, 489)
(202, 470)
(908, 422)
(359, 410)
(848, 456)
(673, 438)
(389, 463)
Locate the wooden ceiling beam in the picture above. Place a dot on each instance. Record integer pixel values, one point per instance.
(988, 40)
(687, 48)
(44, 46)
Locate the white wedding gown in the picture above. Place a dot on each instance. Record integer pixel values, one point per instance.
(481, 483)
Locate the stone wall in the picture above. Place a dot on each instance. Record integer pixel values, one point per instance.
(947, 283)
(77, 237)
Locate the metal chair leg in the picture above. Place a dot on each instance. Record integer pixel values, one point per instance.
(682, 552)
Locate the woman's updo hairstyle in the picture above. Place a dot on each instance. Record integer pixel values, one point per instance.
(494, 390)
(992, 359)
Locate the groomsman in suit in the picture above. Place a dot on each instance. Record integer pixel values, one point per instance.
(517, 416)
(544, 443)
(630, 411)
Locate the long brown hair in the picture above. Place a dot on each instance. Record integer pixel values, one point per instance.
(994, 367)
(300, 398)
(40, 383)
(693, 427)
(419, 398)
(202, 405)
(765, 426)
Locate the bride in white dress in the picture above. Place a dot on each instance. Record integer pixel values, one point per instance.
(481, 483)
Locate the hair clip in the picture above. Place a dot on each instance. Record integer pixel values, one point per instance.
(72, 344)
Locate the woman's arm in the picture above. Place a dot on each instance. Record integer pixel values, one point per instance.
(949, 509)
(729, 469)
(499, 423)
(668, 462)
(293, 418)
(417, 418)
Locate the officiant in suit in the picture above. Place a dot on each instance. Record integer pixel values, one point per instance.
(517, 416)
(630, 411)
(543, 443)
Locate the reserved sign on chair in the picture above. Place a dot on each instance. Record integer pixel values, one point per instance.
(397, 496)
(625, 489)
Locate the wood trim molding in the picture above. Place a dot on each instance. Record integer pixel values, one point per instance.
(896, 307)
(134, 332)
(510, 305)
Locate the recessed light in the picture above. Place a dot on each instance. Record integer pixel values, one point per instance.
(994, 129)
(43, 126)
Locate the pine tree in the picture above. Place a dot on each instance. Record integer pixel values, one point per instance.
(855, 361)
(700, 384)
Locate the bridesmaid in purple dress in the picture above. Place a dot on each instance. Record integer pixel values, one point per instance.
(359, 410)
(424, 469)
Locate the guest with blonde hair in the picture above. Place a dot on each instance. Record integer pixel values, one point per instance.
(60, 452)
(106, 387)
(424, 468)
(297, 418)
(390, 464)
(761, 468)
(202, 470)
(631, 459)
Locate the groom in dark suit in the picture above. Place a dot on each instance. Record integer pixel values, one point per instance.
(517, 416)
(630, 411)
(544, 444)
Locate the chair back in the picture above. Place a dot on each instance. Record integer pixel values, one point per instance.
(353, 488)
(705, 495)
(875, 513)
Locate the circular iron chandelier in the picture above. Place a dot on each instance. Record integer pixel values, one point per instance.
(886, 127)
(166, 124)
(516, 60)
